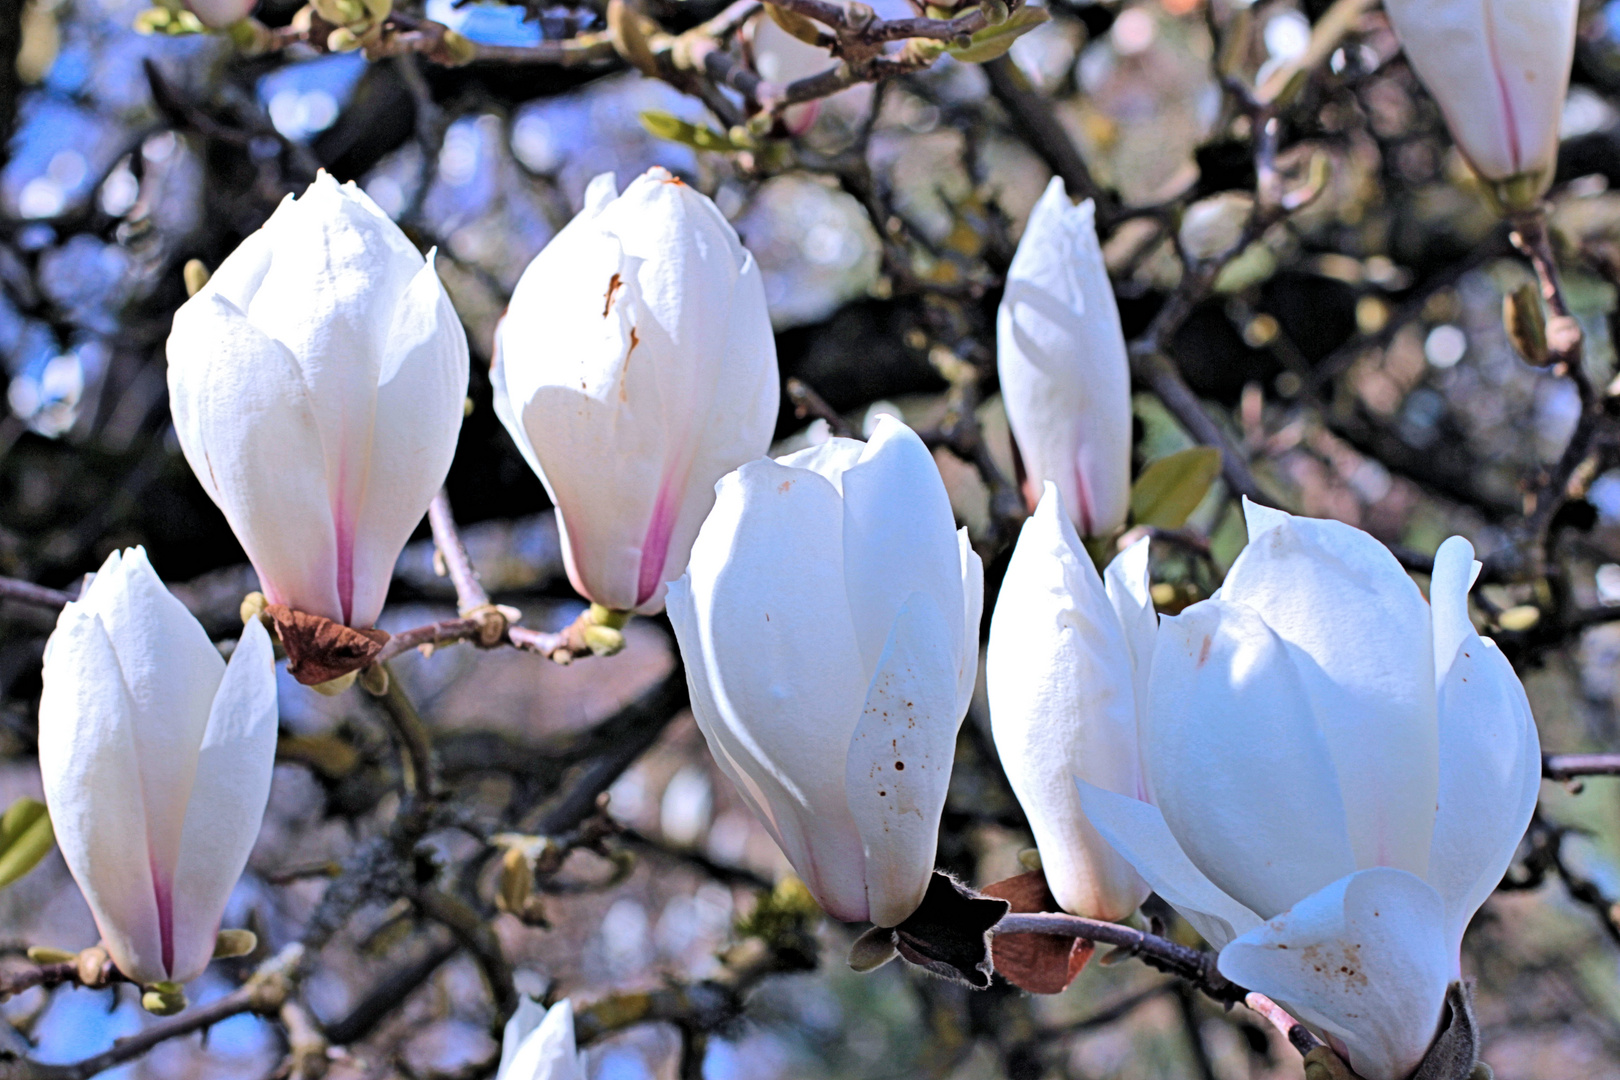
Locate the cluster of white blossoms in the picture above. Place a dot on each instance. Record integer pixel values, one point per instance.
(1324, 773)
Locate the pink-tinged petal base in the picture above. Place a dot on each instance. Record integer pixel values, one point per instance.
(655, 547)
(163, 893)
(344, 525)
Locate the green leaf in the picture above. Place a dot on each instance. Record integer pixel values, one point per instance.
(666, 126)
(993, 41)
(1170, 489)
(26, 837)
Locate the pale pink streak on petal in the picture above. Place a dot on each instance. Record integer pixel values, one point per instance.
(655, 548)
(343, 525)
(163, 893)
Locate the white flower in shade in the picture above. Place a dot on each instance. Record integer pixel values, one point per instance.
(829, 623)
(317, 383)
(634, 368)
(1065, 374)
(1067, 674)
(156, 758)
(538, 1044)
(1342, 773)
(1499, 69)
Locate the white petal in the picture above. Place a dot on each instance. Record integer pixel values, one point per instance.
(734, 752)
(1130, 593)
(548, 1052)
(1065, 375)
(899, 538)
(523, 1021)
(900, 758)
(967, 675)
(1138, 832)
(1360, 635)
(773, 634)
(1364, 958)
(247, 424)
(830, 459)
(1454, 574)
(585, 392)
(419, 410)
(1498, 69)
(1235, 759)
(1490, 775)
(92, 779)
(1063, 705)
(171, 672)
(729, 421)
(602, 190)
(234, 766)
(331, 296)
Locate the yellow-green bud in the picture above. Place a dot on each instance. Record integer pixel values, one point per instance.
(233, 943)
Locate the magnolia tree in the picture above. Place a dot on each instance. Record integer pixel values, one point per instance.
(1281, 760)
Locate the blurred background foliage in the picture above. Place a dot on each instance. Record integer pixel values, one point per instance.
(1355, 352)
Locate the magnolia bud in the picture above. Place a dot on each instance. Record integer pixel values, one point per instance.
(163, 999)
(829, 625)
(1066, 673)
(538, 1044)
(316, 382)
(1499, 71)
(1065, 375)
(138, 710)
(634, 368)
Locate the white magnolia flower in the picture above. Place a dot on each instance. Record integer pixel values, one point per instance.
(538, 1044)
(1067, 673)
(829, 623)
(1065, 374)
(1342, 773)
(156, 758)
(634, 368)
(1499, 69)
(317, 384)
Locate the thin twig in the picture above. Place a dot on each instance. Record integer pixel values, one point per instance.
(1570, 766)
(1197, 966)
(1297, 1034)
(470, 594)
(807, 403)
(37, 595)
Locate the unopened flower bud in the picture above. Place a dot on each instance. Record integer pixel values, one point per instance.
(44, 954)
(233, 943)
(374, 679)
(324, 338)
(334, 687)
(196, 276)
(829, 625)
(1065, 374)
(139, 709)
(538, 1044)
(1499, 72)
(1066, 669)
(163, 999)
(635, 367)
